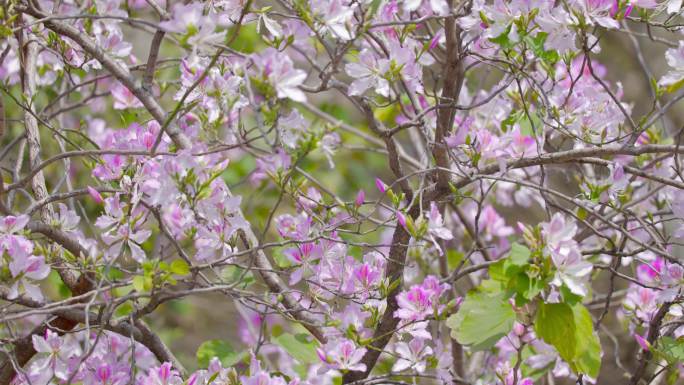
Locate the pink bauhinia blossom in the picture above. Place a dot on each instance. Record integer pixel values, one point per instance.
(342, 355)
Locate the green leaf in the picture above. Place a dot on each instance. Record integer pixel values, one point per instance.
(571, 331)
(671, 349)
(180, 267)
(482, 320)
(217, 348)
(519, 254)
(298, 346)
(588, 360)
(526, 288)
(555, 324)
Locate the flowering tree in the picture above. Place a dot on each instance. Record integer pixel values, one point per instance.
(386, 192)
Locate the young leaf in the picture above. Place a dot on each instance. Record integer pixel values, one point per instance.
(180, 267)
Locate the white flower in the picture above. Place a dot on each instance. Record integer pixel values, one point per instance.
(572, 271)
(675, 59)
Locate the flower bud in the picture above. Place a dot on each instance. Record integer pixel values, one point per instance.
(381, 185)
(360, 198)
(97, 197)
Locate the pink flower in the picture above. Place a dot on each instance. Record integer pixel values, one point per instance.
(214, 241)
(641, 302)
(368, 275)
(185, 17)
(342, 354)
(336, 15)
(66, 219)
(25, 268)
(292, 227)
(270, 165)
(420, 301)
(257, 376)
(279, 70)
(302, 256)
(600, 12)
(368, 72)
(436, 227)
(162, 375)
(558, 233)
(311, 200)
(675, 59)
(492, 224)
(412, 355)
(11, 224)
(124, 98)
(54, 354)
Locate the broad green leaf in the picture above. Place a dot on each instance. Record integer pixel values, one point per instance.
(482, 320)
(217, 348)
(298, 347)
(555, 324)
(571, 331)
(588, 360)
